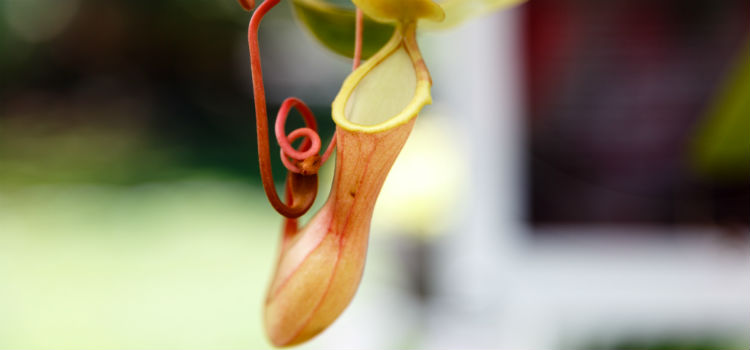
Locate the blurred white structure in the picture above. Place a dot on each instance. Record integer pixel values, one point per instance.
(499, 286)
(503, 288)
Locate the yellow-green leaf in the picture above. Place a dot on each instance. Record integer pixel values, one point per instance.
(401, 11)
(722, 146)
(333, 25)
(332, 21)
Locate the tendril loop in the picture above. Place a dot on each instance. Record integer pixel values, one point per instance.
(310, 146)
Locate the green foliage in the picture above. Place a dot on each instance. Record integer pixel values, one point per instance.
(722, 149)
(333, 25)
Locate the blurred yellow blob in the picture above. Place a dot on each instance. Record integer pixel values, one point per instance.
(459, 11)
(425, 183)
(401, 10)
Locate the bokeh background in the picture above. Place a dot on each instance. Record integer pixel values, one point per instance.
(581, 181)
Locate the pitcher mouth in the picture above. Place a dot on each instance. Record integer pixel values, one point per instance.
(388, 90)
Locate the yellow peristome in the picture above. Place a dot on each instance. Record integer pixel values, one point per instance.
(401, 10)
(387, 91)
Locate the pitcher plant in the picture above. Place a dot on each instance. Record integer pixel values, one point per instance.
(320, 264)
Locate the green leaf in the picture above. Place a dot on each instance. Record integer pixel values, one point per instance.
(332, 23)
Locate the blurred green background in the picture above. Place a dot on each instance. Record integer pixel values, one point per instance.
(130, 209)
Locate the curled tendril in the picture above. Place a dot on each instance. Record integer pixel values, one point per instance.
(302, 163)
(311, 145)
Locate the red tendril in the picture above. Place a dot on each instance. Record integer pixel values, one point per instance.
(305, 161)
(358, 28)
